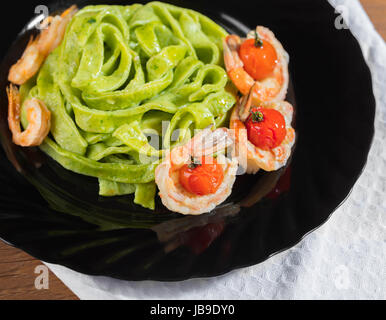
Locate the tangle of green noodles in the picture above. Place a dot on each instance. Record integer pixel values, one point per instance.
(119, 73)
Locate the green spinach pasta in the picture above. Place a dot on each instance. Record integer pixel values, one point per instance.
(120, 74)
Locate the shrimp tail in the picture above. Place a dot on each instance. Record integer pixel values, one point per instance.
(39, 119)
(39, 48)
(231, 46)
(234, 65)
(13, 109)
(246, 102)
(208, 142)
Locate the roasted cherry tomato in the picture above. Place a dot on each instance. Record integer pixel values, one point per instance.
(259, 58)
(201, 176)
(265, 128)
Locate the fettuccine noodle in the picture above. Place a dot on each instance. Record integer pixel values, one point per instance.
(121, 71)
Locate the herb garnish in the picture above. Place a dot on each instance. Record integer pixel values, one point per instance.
(194, 163)
(257, 116)
(258, 41)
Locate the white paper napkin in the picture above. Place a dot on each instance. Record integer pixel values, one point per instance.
(343, 259)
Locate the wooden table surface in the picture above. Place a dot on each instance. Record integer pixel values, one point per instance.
(17, 269)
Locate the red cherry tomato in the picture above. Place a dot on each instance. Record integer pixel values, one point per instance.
(259, 61)
(265, 128)
(202, 178)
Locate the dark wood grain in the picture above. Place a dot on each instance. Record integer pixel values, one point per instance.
(17, 276)
(376, 10)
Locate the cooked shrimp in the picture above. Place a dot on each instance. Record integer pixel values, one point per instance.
(274, 85)
(174, 192)
(52, 36)
(39, 48)
(253, 157)
(39, 119)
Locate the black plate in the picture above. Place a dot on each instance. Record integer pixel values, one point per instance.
(57, 216)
